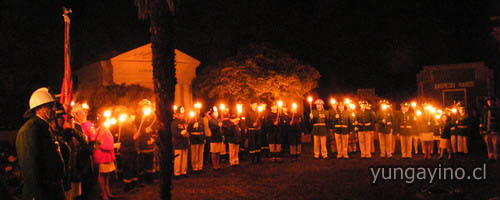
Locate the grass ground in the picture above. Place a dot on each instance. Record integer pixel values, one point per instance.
(325, 179)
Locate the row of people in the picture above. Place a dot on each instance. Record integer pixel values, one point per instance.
(253, 131)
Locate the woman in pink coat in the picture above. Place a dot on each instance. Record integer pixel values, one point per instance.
(104, 157)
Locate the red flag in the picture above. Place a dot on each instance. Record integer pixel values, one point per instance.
(67, 83)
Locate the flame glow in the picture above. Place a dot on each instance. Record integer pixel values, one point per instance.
(85, 106)
(107, 113)
(146, 111)
(310, 99)
(239, 108)
(280, 103)
(123, 117)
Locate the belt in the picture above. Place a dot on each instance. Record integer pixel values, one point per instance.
(338, 126)
(196, 133)
(147, 151)
(253, 129)
(405, 126)
(366, 124)
(319, 124)
(462, 126)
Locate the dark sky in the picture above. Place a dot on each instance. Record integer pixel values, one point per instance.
(354, 44)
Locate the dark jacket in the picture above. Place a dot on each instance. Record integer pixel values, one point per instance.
(40, 159)
(405, 123)
(196, 135)
(384, 121)
(215, 129)
(365, 120)
(179, 141)
(490, 120)
(231, 132)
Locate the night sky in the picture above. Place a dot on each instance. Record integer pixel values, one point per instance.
(354, 44)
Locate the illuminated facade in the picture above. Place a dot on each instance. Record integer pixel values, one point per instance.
(451, 83)
(135, 67)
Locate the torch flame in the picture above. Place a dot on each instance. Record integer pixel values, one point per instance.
(384, 106)
(85, 106)
(239, 108)
(72, 103)
(280, 103)
(414, 104)
(215, 108)
(222, 106)
(352, 106)
(107, 124)
(294, 106)
(123, 117)
(175, 108)
(347, 101)
(310, 99)
(454, 110)
(191, 114)
(438, 116)
(107, 113)
(332, 101)
(419, 113)
(146, 111)
(260, 109)
(112, 121)
(197, 105)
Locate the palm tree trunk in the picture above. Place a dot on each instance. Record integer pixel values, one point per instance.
(162, 39)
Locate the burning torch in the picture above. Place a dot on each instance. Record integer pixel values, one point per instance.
(310, 100)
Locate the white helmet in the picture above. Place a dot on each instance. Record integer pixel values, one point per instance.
(38, 98)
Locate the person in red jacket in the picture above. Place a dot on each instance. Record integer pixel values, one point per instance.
(104, 157)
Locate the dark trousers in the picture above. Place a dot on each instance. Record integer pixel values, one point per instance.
(129, 166)
(254, 141)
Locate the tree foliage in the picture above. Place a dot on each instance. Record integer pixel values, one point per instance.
(257, 71)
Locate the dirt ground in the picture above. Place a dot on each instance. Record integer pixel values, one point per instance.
(327, 179)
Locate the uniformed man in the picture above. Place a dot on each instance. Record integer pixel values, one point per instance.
(146, 134)
(254, 125)
(215, 125)
(464, 124)
(332, 113)
(319, 118)
(196, 141)
(489, 128)
(233, 132)
(364, 122)
(295, 133)
(342, 130)
(128, 153)
(180, 141)
(39, 155)
(274, 137)
(383, 126)
(87, 131)
(353, 133)
(426, 123)
(406, 128)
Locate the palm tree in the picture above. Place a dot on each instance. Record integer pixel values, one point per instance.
(161, 14)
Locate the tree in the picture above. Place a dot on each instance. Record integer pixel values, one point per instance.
(161, 14)
(257, 71)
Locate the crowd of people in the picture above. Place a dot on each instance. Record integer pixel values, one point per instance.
(64, 155)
